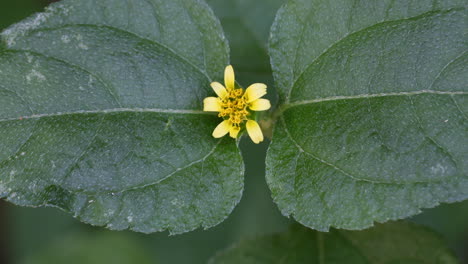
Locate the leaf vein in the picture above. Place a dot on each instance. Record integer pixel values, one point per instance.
(20, 147)
(174, 172)
(142, 186)
(106, 84)
(160, 44)
(353, 177)
(458, 107)
(365, 96)
(74, 163)
(444, 68)
(110, 111)
(418, 119)
(430, 13)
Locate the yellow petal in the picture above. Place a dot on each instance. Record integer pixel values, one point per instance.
(234, 131)
(254, 131)
(255, 91)
(229, 77)
(222, 129)
(212, 104)
(219, 89)
(260, 105)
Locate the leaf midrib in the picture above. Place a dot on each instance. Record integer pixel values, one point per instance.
(367, 96)
(111, 111)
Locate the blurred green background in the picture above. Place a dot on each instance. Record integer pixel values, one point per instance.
(48, 235)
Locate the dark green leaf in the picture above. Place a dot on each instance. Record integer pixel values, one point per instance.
(101, 115)
(255, 214)
(372, 124)
(392, 243)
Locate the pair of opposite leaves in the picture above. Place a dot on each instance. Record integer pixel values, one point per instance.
(101, 112)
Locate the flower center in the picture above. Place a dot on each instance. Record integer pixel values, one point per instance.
(234, 107)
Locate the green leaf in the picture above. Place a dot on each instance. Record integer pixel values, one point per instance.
(372, 121)
(101, 115)
(255, 214)
(391, 243)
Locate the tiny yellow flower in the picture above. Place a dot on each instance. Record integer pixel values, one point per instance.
(236, 107)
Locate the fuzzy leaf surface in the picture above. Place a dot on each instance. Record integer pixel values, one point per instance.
(101, 115)
(372, 122)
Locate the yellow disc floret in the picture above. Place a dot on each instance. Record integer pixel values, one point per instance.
(235, 106)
